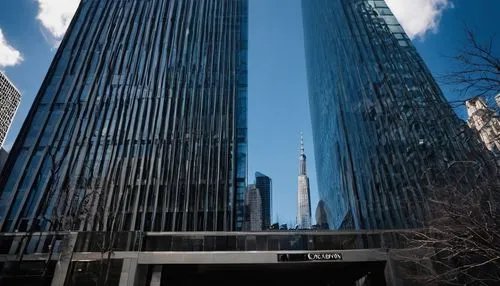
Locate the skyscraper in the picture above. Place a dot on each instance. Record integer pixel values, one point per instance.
(383, 133)
(303, 192)
(140, 123)
(485, 121)
(253, 209)
(9, 101)
(265, 186)
(321, 216)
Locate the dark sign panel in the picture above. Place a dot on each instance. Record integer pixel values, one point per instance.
(324, 256)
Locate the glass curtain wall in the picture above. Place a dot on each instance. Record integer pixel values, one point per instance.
(140, 123)
(383, 132)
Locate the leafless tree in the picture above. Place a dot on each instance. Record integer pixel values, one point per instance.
(48, 213)
(462, 240)
(476, 70)
(66, 206)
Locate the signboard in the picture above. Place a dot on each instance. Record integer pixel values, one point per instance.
(313, 256)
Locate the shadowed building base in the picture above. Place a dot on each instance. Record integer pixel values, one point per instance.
(315, 274)
(316, 258)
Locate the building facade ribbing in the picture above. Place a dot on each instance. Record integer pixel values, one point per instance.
(140, 123)
(9, 102)
(3, 157)
(382, 130)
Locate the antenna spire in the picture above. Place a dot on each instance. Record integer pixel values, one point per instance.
(302, 157)
(302, 152)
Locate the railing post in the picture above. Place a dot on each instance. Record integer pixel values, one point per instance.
(128, 275)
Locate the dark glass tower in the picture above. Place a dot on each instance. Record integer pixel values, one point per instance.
(265, 186)
(140, 123)
(384, 135)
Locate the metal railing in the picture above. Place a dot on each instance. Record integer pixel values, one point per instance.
(31, 243)
(138, 241)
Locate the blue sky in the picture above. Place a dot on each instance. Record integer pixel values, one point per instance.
(278, 103)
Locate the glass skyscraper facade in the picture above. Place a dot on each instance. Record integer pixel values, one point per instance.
(383, 132)
(140, 123)
(265, 186)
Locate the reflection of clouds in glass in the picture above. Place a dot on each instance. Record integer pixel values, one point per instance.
(419, 16)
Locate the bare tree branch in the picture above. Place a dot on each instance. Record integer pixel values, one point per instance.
(477, 69)
(462, 241)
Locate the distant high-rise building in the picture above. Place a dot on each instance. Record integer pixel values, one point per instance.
(9, 101)
(140, 123)
(304, 192)
(253, 209)
(322, 215)
(265, 186)
(486, 122)
(383, 133)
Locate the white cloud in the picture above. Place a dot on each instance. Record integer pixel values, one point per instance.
(55, 16)
(9, 56)
(419, 16)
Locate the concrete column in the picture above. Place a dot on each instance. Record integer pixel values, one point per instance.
(62, 266)
(397, 272)
(156, 277)
(128, 275)
(391, 273)
(14, 247)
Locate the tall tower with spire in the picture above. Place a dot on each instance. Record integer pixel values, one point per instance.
(303, 195)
